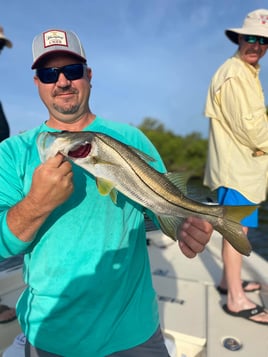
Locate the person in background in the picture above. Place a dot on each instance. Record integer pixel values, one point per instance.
(86, 266)
(238, 132)
(4, 127)
(7, 313)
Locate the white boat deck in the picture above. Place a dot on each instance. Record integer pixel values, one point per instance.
(11, 286)
(190, 306)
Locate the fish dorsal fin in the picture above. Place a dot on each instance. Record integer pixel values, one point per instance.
(179, 180)
(142, 155)
(106, 187)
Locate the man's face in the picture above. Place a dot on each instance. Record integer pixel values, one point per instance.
(251, 48)
(65, 99)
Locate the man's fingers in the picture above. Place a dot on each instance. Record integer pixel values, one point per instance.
(55, 161)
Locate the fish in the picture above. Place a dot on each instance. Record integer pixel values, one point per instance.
(118, 167)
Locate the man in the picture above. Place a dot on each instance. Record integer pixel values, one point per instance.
(238, 133)
(89, 290)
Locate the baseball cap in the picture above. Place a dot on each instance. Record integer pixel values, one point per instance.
(7, 42)
(255, 23)
(56, 41)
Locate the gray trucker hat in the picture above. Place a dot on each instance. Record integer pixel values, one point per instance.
(56, 41)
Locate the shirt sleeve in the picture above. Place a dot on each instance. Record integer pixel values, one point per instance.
(243, 107)
(10, 193)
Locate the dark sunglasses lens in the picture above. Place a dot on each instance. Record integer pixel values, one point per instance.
(51, 75)
(73, 71)
(47, 75)
(253, 39)
(263, 41)
(250, 39)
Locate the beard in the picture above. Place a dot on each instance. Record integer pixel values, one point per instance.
(67, 109)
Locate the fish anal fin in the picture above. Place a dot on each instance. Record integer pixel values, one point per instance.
(170, 225)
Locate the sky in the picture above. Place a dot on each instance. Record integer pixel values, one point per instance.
(150, 58)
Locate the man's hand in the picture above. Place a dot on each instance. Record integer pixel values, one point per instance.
(194, 235)
(52, 184)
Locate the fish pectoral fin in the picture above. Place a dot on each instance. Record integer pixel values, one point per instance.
(237, 213)
(106, 187)
(170, 225)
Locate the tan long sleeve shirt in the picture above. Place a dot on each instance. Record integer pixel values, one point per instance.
(238, 127)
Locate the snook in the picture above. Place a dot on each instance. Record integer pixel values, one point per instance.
(118, 167)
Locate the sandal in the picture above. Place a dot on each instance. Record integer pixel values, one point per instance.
(247, 314)
(8, 316)
(245, 283)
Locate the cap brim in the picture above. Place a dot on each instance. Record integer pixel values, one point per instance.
(8, 43)
(47, 54)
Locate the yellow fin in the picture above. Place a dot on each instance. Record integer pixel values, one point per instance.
(106, 187)
(113, 195)
(170, 225)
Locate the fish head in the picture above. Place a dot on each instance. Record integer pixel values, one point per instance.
(74, 145)
(87, 150)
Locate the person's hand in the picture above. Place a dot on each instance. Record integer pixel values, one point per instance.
(193, 236)
(52, 183)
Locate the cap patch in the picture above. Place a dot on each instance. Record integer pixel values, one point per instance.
(52, 38)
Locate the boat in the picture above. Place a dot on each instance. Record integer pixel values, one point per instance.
(190, 306)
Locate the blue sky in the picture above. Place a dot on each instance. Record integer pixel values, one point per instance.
(150, 58)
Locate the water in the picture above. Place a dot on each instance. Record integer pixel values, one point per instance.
(258, 236)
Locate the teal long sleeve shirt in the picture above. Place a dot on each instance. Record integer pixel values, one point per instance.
(89, 289)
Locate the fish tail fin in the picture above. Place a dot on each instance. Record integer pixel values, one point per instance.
(232, 230)
(234, 234)
(237, 213)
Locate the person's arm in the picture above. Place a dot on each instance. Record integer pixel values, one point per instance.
(51, 185)
(244, 111)
(193, 236)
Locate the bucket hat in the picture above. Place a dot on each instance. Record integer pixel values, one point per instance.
(255, 23)
(56, 41)
(7, 42)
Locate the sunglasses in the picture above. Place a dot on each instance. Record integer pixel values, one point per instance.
(51, 75)
(253, 39)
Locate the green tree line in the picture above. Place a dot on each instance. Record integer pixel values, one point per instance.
(187, 154)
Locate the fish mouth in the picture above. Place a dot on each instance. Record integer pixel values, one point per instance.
(80, 151)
